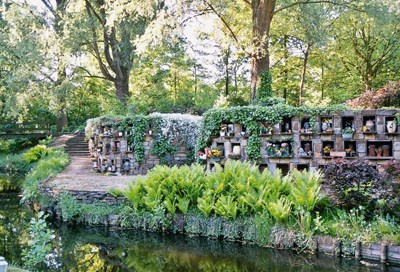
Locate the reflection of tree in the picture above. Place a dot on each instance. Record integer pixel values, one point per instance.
(87, 257)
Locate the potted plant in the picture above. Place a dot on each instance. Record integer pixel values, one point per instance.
(349, 152)
(347, 133)
(284, 150)
(327, 151)
(379, 151)
(202, 155)
(215, 154)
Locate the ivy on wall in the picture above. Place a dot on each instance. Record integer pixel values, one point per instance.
(250, 117)
(168, 131)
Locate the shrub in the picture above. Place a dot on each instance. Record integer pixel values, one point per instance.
(352, 183)
(35, 153)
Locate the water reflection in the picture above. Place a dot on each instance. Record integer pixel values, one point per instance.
(98, 249)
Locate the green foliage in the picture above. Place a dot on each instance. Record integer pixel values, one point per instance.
(264, 92)
(69, 207)
(250, 117)
(40, 244)
(162, 148)
(35, 153)
(305, 188)
(170, 188)
(237, 190)
(280, 209)
(55, 161)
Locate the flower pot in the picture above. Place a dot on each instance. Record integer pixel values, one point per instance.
(391, 126)
(386, 150)
(371, 151)
(216, 159)
(203, 157)
(370, 124)
(347, 136)
(379, 154)
(327, 154)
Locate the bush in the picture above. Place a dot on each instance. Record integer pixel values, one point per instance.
(35, 153)
(352, 184)
(46, 167)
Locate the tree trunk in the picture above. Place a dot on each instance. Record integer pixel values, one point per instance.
(62, 117)
(122, 88)
(226, 63)
(262, 13)
(285, 71)
(303, 74)
(322, 81)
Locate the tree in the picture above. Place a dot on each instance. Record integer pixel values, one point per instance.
(370, 41)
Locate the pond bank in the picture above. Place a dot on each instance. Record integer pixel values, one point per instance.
(245, 230)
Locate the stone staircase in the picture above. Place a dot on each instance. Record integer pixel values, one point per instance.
(77, 146)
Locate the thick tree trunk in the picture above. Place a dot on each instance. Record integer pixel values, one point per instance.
(303, 74)
(262, 13)
(122, 88)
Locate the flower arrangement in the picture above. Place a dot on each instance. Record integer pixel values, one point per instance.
(214, 153)
(266, 128)
(278, 149)
(327, 150)
(348, 130)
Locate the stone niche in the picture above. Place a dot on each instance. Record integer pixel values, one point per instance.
(314, 147)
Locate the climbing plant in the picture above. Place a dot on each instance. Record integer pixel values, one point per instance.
(250, 117)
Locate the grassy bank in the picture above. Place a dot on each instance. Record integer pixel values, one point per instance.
(241, 204)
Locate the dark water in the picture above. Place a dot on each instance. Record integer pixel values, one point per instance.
(98, 249)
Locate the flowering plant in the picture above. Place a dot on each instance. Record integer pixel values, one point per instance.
(266, 128)
(214, 153)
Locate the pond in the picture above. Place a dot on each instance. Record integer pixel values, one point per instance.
(100, 249)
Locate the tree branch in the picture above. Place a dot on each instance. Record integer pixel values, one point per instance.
(223, 21)
(333, 2)
(89, 74)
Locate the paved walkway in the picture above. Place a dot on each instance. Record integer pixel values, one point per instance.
(79, 176)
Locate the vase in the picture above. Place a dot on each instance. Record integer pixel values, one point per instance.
(370, 124)
(327, 154)
(236, 150)
(324, 126)
(391, 126)
(371, 151)
(386, 150)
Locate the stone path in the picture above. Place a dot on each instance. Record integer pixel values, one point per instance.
(79, 176)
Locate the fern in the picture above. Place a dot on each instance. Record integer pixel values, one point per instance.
(280, 209)
(305, 189)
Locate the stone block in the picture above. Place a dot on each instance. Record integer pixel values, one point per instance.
(380, 120)
(369, 136)
(396, 155)
(380, 128)
(382, 137)
(358, 136)
(368, 112)
(317, 147)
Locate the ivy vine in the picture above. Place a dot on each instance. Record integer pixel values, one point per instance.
(250, 117)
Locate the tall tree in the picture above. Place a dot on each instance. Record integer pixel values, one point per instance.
(369, 41)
